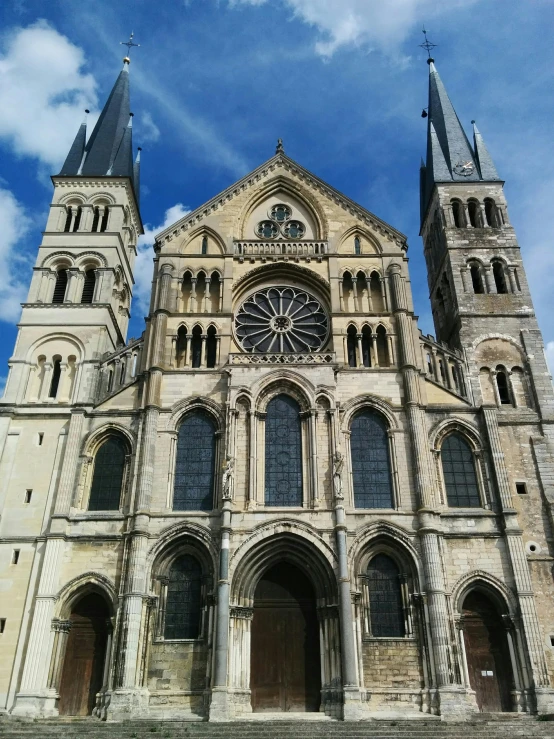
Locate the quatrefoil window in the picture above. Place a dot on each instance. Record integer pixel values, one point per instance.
(280, 224)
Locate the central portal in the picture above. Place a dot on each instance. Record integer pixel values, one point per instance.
(285, 674)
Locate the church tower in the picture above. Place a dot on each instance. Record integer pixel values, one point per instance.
(79, 298)
(477, 283)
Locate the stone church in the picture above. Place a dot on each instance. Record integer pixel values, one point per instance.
(282, 497)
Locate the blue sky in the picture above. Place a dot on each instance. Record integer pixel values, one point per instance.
(215, 82)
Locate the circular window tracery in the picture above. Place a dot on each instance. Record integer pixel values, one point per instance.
(280, 224)
(283, 320)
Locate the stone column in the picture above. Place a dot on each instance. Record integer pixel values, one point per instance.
(465, 281)
(129, 695)
(373, 350)
(251, 503)
(173, 357)
(313, 456)
(512, 278)
(193, 305)
(219, 707)
(360, 350)
(341, 296)
(34, 698)
(207, 295)
(489, 282)
(203, 351)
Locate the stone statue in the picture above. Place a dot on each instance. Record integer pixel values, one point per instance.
(338, 465)
(227, 479)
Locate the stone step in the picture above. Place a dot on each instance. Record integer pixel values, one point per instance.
(87, 728)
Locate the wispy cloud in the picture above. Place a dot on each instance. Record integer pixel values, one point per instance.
(15, 225)
(383, 25)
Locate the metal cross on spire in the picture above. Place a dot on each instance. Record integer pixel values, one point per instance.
(129, 44)
(427, 45)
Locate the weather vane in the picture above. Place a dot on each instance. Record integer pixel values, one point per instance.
(427, 45)
(129, 44)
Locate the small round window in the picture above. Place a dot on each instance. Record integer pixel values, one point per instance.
(280, 213)
(294, 230)
(267, 230)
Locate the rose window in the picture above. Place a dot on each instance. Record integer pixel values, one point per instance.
(280, 224)
(283, 320)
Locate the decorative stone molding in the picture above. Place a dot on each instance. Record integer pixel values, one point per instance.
(261, 359)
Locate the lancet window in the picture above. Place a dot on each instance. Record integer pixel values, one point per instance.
(385, 598)
(283, 452)
(108, 475)
(183, 599)
(371, 469)
(195, 463)
(460, 478)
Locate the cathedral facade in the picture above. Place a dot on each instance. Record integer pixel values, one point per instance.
(283, 497)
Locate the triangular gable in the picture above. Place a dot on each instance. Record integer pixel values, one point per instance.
(251, 179)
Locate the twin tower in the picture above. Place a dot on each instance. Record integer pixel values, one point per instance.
(282, 497)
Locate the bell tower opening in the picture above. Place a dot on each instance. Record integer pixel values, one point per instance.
(285, 662)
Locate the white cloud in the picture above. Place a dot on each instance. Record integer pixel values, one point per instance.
(143, 264)
(148, 131)
(15, 224)
(379, 23)
(42, 92)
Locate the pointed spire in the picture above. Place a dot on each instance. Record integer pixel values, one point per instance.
(456, 148)
(136, 175)
(123, 162)
(106, 138)
(77, 150)
(484, 159)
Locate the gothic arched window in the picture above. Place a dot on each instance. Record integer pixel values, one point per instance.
(352, 346)
(385, 597)
(283, 452)
(369, 448)
(195, 465)
(88, 286)
(107, 477)
(458, 469)
(204, 244)
(476, 278)
(499, 277)
(458, 213)
(183, 600)
(56, 376)
(357, 245)
(60, 286)
(503, 387)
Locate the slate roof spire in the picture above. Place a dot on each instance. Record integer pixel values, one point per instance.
(109, 148)
(77, 150)
(450, 156)
(136, 175)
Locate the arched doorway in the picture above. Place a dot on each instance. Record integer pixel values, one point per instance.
(85, 656)
(487, 653)
(285, 662)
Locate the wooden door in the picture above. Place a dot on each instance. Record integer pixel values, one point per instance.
(488, 659)
(83, 667)
(285, 666)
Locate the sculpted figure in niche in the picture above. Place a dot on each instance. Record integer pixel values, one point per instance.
(227, 479)
(338, 465)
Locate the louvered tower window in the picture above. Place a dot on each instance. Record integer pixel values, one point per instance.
(184, 590)
(60, 286)
(88, 286)
(371, 472)
(458, 469)
(283, 453)
(194, 469)
(107, 477)
(385, 598)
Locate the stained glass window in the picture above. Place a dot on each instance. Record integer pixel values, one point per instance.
(281, 319)
(107, 477)
(280, 213)
(294, 230)
(184, 589)
(194, 469)
(385, 597)
(283, 453)
(267, 230)
(369, 447)
(459, 473)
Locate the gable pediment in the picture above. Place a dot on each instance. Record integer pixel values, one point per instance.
(325, 212)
